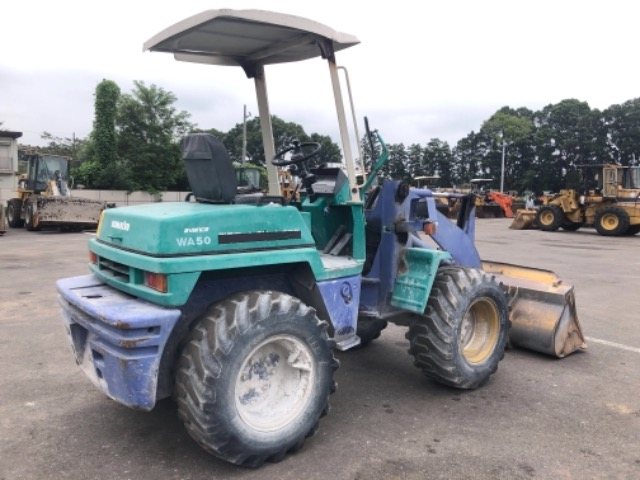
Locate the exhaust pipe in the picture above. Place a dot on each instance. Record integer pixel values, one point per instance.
(542, 309)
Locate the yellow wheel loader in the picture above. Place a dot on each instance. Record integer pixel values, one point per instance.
(610, 202)
(44, 198)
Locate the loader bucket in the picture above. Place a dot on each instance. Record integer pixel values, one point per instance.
(524, 220)
(542, 309)
(67, 211)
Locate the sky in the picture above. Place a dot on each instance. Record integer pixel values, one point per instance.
(424, 69)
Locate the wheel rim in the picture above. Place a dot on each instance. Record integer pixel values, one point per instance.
(480, 328)
(547, 217)
(10, 214)
(275, 383)
(610, 221)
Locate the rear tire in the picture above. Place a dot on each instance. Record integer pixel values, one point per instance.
(463, 333)
(550, 218)
(612, 221)
(254, 377)
(13, 214)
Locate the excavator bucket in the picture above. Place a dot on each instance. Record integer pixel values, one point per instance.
(524, 220)
(542, 309)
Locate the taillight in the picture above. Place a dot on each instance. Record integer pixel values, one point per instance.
(157, 281)
(93, 257)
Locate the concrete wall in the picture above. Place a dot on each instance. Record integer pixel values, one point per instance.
(119, 197)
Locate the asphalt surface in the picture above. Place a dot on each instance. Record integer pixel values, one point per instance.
(537, 417)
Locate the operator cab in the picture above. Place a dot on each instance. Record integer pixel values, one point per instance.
(41, 169)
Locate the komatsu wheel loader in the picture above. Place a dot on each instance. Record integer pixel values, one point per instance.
(235, 308)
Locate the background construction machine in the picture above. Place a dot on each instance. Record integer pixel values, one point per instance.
(609, 201)
(44, 197)
(444, 205)
(490, 204)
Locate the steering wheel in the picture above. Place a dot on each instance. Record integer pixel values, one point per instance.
(298, 155)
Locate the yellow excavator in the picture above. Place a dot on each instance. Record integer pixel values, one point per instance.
(44, 198)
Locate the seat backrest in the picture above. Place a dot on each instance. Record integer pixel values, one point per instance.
(209, 168)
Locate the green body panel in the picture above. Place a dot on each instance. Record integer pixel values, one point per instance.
(182, 240)
(418, 268)
(327, 217)
(183, 228)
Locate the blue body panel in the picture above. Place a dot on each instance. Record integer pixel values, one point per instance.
(389, 217)
(118, 340)
(341, 298)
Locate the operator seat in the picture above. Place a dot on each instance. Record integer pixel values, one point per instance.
(209, 168)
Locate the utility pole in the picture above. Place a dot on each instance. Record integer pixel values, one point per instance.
(502, 169)
(245, 115)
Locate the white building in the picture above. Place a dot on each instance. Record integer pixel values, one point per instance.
(8, 163)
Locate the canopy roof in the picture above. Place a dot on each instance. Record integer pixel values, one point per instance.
(247, 38)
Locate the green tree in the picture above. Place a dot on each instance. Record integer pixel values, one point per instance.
(397, 166)
(73, 147)
(622, 123)
(506, 129)
(438, 160)
(415, 166)
(149, 130)
(103, 167)
(467, 159)
(284, 133)
(567, 135)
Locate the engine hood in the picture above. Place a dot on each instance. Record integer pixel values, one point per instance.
(171, 229)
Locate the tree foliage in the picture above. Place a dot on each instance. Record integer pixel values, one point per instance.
(104, 168)
(135, 144)
(149, 130)
(284, 133)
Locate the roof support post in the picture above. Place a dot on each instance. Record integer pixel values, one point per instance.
(344, 132)
(266, 129)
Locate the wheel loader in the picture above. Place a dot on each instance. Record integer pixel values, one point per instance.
(44, 198)
(491, 204)
(608, 201)
(234, 309)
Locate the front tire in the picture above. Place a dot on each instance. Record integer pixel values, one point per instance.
(463, 333)
(612, 221)
(549, 218)
(254, 377)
